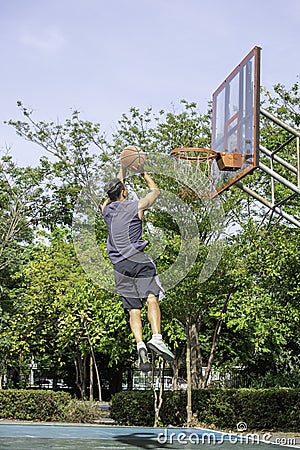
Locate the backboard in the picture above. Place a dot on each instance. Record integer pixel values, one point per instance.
(235, 124)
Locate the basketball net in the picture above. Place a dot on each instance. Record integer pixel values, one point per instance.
(194, 164)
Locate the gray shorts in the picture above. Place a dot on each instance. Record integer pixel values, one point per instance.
(136, 280)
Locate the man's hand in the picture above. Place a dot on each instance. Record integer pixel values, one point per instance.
(140, 169)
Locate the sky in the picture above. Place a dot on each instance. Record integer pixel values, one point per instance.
(102, 57)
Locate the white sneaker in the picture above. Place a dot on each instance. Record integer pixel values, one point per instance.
(161, 349)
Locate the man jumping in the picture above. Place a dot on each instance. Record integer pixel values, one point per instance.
(135, 273)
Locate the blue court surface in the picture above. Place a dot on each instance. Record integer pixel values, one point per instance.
(84, 437)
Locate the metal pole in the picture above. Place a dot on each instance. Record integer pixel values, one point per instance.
(32, 366)
(298, 160)
(279, 122)
(268, 204)
(278, 159)
(272, 182)
(279, 178)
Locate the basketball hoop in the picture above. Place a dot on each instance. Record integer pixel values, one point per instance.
(194, 154)
(226, 161)
(193, 172)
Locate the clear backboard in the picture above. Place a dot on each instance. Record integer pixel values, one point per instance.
(235, 124)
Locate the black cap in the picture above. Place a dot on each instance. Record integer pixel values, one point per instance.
(112, 185)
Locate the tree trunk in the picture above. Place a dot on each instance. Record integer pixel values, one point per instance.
(95, 362)
(189, 407)
(176, 366)
(129, 380)
(98, 380)
(215, 342)
(84, 375)
(91, 378)
(196, 358)
(115, 379)
(158, 397)
(80, 367)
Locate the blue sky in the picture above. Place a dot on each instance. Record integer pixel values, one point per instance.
(102, 57)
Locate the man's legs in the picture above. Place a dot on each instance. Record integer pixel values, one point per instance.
(156, 343)
(154, 316)
(136, 326)
(135, 322)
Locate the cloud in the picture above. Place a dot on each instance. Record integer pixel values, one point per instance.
(50, 41)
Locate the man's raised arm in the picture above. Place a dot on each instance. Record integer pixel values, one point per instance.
(149, 199)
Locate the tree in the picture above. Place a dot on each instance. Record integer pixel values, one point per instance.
(267, 321)
(23, 207)
(71, 144)
(239, 296)
(61, 314)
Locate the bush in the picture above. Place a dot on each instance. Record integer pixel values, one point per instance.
(173, 409)
(271, 408)
(133, 408)
(33, 404)
(217, 407)
(47, 406)
(260, 409)
(137, 408)
(80, 411)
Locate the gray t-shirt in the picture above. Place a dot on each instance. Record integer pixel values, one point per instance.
(124, 230)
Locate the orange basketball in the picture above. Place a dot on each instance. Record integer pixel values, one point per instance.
(133, 158)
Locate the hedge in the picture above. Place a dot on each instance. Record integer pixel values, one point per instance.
(39, 405)
(261, 409)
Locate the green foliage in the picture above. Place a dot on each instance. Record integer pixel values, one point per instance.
(166, 130)
(33, 405)
(65, 313)
(81, 411)
(48, 304)
(263, 314)
(174, 408)
(285, 104)
(22, 206)
(75, 165)
(133, 408)
(45, 406)
(261, 409)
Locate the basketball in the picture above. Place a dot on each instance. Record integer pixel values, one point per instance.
(133, 158)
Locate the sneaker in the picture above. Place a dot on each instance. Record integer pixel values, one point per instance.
(144, 363)
(161, 349)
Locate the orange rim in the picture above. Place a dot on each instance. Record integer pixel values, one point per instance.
(182, 153)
